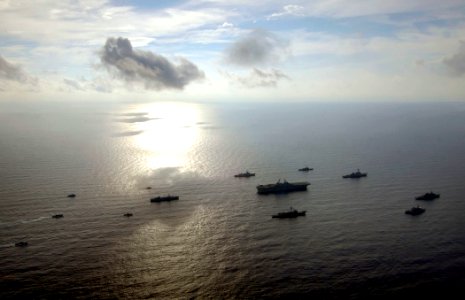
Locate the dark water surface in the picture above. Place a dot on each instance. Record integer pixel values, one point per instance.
(219, 240)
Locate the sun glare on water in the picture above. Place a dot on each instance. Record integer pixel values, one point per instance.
(168, 134)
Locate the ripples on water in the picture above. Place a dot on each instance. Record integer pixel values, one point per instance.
(218, 240)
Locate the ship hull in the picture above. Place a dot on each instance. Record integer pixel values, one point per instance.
(164, 199)
(354, 176)
(415, 212)
(289, 215)
(427, 197)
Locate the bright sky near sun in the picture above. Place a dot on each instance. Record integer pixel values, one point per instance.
(218, 50)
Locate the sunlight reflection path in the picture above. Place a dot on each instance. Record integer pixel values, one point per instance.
(169, 134)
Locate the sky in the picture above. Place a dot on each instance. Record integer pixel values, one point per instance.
(218, 50)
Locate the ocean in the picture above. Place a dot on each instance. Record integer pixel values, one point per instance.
(218, 241)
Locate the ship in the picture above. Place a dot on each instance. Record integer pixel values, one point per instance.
(246, 174)
(282, 187)
(357, 174)
(415, 211)
(164, 198)
(428, 196)
(58, 216)
(128, 215)
(292, 213)
(306, 169)
(21, 244)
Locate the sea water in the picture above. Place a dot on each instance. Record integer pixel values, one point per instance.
(219, 240)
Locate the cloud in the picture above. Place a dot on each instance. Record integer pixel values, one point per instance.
(456, 62)
(13, 72)
(288, 10)
(258, 78)
(73, 84)
(258, 47)
(82, 84)
(348, 9)
(84, 22)
(154, 70)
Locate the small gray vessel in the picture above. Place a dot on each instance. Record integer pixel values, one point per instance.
(291, 213)
(164, 198)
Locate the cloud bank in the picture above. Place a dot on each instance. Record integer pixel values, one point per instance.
(259, 47)
(151, 69)
(456, 62)
(361, 8)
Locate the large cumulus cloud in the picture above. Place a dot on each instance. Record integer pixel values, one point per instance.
(153, 70)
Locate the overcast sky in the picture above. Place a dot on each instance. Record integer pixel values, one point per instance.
(218, 50)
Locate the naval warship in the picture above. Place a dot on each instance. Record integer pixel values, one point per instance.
(164, 198)
(291, 213)
(415, 211)
(357, 174)
(282, 187)
(428, 196)
(246, 174)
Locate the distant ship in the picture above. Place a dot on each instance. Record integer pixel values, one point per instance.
(164, 198)
(21, 244)
(128, 215)
(357, 174)
(282, 187)
(246, 174)
(415, 211)
(71, 195)
(428, 196)
(292, 213)
(57, 216)
(306, 169)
